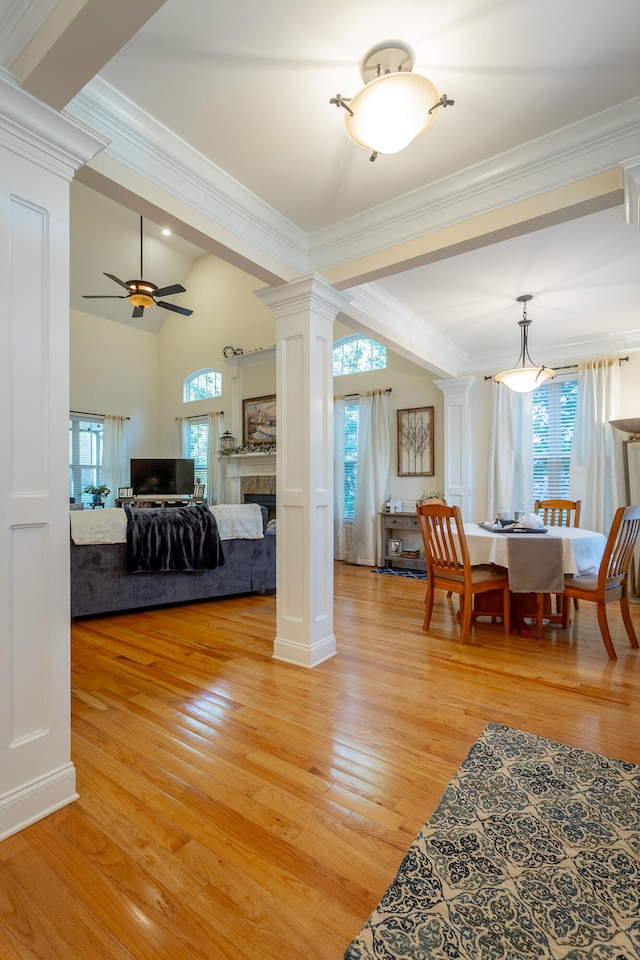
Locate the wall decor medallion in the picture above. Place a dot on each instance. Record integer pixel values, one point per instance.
(415, 442)
(259, 421)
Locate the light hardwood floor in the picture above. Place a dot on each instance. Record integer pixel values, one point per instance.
(235, 807)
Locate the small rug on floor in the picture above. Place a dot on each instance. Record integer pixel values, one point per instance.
(532, 852)
(397, 572)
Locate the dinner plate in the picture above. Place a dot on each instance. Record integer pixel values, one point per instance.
(498, 528)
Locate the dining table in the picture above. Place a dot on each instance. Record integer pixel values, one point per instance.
(580, 552)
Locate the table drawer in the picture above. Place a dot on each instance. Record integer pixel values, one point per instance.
(397, 522)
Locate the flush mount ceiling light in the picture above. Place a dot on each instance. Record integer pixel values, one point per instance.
(523, 378)
(395, 106)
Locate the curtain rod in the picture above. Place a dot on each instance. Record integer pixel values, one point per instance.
(574, 366)
(81, 413)
(199, 416)
(349, 395)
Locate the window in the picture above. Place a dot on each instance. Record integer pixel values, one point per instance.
(86, 439)
(351, 414)
(554, 413)
(202, 384)
(199, 449)
(357, 354)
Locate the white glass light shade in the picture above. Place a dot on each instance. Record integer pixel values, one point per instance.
(525, 379)
(391, 111)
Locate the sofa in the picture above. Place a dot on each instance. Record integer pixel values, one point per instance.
(100, 583)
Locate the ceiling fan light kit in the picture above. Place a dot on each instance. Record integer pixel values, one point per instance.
(395, 106)
(143, 294)
(523, 378)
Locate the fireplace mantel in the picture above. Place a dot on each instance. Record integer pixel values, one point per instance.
(239, 465)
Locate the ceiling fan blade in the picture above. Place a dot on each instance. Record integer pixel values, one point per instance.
(167, 291)
(137, 312)
(172, 306)
(121, 282)
(104, 296)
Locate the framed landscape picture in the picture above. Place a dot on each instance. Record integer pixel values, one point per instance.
(259, 421)
(415, 442)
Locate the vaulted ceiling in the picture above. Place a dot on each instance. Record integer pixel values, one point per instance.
(219, 122)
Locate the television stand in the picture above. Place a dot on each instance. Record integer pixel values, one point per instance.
(160, 500)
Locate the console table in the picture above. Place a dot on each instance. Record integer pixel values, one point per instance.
(160, 500)
(405, 527)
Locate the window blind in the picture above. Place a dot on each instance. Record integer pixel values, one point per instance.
(554, 413)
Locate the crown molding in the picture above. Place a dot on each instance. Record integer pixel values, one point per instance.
(377, 313)
(52, 140)
(569, 352)
(580, 150)
(139, 142)
(19, 25)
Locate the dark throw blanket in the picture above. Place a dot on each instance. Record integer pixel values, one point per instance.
(172, 538)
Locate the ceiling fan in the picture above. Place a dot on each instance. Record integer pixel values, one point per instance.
(142, 293)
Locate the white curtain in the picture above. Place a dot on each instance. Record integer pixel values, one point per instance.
(596, 454)
(339, 534)
(372, 477)
(114, 470)
(510, 484)
(182, 437)
(215, 425)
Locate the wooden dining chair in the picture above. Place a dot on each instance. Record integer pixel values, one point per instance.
(449, 567)
(612, 580)
(559, 513)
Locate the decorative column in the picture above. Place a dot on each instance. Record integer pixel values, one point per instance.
(457, 442)
(304, 312)
(39, 153)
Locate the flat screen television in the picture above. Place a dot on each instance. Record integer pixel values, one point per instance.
(162, 477)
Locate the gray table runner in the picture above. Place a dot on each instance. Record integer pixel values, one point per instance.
(535, 564)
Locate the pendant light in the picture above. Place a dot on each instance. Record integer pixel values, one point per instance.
(523, 378)
(395, 106)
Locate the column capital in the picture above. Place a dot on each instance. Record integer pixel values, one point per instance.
(312, 292)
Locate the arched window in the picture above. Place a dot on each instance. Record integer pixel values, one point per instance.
(357, 354)
(202, 384)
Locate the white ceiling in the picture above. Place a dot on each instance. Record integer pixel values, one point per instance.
(247, 85)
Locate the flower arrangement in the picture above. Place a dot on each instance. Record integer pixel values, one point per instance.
(431, 495)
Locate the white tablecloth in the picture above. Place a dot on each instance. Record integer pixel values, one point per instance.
(582, 550)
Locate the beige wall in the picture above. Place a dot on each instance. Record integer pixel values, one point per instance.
(114, 369)
(225, 312)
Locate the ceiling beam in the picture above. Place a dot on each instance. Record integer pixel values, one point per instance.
(75, 42)
(573, 200)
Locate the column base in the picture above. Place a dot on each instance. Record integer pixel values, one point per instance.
(302, 654)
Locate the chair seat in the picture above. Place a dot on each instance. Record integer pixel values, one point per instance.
(481, 573)
(588, 583)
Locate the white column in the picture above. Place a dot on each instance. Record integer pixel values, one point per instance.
(304, 312)
(457, 442)
(39, 152)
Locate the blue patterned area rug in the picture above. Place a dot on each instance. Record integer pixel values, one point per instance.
(399, 572)
(532, 852)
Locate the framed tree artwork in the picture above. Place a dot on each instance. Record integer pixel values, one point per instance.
(415, 442)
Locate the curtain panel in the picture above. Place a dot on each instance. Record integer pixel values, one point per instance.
(114, 470)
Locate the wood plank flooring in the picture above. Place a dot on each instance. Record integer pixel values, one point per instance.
(235, 807)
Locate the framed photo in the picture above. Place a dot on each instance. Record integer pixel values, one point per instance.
(198, 491)
(124, 492)
(415, 442)
(259, 421)
(394, 548)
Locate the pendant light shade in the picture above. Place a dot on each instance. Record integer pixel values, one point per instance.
(524, 378)
(391, 111)
(395, 106)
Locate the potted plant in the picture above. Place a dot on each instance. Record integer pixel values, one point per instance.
(98, 493)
